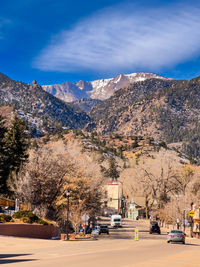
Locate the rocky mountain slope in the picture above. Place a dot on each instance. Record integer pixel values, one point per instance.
(165, 110)
(99, 89)
(86, 104)
(33, 99)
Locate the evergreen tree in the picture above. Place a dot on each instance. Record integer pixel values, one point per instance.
(15, 146)
(2, 155)
(121, 152)
(112, 171)
(135, 144)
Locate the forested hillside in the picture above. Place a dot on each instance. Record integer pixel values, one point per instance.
(33, 99)
(167, 110)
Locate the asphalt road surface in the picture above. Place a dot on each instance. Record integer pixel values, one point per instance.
(128, 228)
(118, 249)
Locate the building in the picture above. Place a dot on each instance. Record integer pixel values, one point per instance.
(136, 208)
(196, 220)
(113, 193)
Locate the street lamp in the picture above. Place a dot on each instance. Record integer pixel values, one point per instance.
(67, 195)
(191, 223)
(121, 206)
(184, 221)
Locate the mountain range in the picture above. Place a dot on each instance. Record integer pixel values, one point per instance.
(34, 100)
(167, 110)
(156, 107)
(99, 89)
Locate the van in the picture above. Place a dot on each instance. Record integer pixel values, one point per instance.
(116, 220)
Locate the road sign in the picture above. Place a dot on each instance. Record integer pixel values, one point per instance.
(85, 217)
(191, 213)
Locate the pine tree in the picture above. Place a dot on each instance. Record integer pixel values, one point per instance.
(2, 156)
(112, 171)
(16, 145)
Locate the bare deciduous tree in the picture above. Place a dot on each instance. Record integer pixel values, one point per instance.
(84, 198)
(40, 180)
(43, 181)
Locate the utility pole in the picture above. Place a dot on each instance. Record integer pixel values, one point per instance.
(184, 221)
(121, 204)
(67, 226)
(191, 224)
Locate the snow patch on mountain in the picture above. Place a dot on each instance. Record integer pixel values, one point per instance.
(99, 89)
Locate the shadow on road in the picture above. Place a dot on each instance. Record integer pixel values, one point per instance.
(4, 258)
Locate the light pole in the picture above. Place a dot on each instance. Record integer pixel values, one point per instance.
(191, 219)
(68, 195)
(122, 198)
(184, 221)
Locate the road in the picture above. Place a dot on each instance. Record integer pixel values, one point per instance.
(118, 249)
(127, 231)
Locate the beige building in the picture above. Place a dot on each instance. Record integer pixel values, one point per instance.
(113, 193)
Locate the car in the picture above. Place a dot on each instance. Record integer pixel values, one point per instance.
(104, 229)
(95, 232)
(176, 236)
(96, 229)
(154, 228)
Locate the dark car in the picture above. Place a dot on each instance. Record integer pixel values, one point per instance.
(104, 229)
(154, 228)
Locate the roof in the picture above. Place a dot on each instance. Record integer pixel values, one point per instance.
(140, 201)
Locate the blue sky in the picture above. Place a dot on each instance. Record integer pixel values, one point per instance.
(54, 41)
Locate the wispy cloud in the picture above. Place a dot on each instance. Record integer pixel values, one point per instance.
(4, 22)
(124, 39)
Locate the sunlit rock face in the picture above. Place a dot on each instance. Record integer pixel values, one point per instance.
(99, 89)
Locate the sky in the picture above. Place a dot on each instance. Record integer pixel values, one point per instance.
(56, 41)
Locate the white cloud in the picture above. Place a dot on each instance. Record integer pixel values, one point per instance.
(125, 39)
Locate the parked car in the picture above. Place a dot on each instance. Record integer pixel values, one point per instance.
(176, 236)
(96, 229)
(95, 232)
(154, 228)
(104, 229)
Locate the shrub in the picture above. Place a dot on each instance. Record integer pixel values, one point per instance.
(27, 214)
(163, 144)
(29, 217)
(43, 222)
(26, 220)
(5, 218)
(135, 144)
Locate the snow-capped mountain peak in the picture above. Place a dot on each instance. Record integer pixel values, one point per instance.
(99, 89)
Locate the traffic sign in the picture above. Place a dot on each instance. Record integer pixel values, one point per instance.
(191, 213)
(85, 217)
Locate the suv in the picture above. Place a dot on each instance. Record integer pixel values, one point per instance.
(154, 228)
(104, 229)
